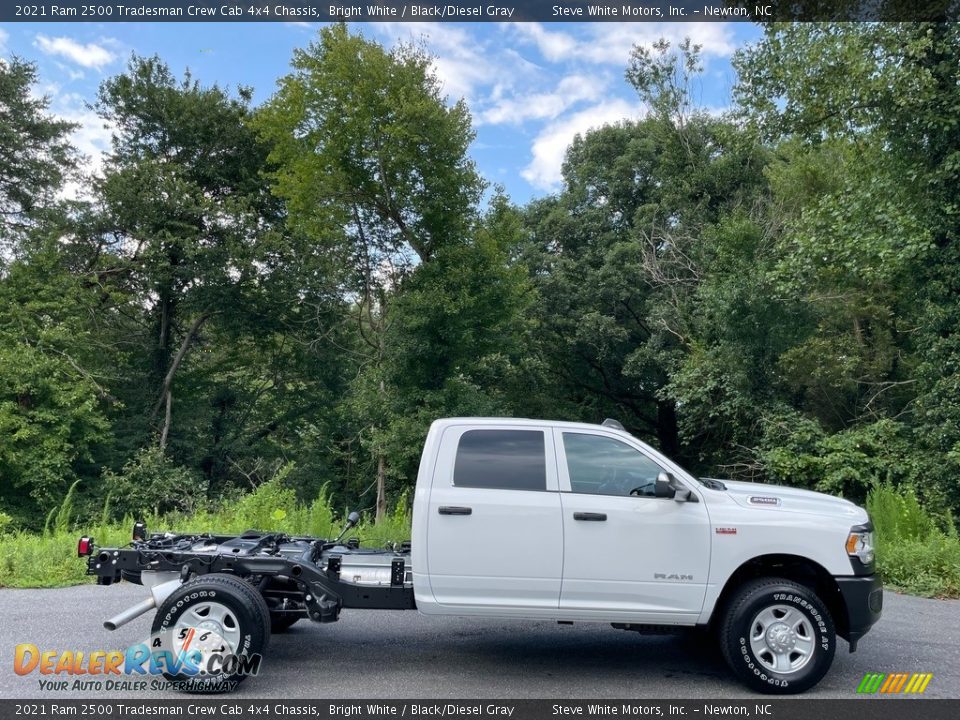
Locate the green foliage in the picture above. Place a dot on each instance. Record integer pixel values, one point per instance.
(913, 552)
(49, 559)
(261, 311)
(362, 137)
(36, 158)
(152, 482)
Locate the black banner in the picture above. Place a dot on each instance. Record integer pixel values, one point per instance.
(470, 11)
(760, 708)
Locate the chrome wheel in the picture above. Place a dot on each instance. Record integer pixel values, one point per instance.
(781, 638)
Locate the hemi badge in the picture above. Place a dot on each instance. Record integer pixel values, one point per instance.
(726, 531)
(761, 500)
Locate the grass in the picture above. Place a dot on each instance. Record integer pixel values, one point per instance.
(49, 559)
(915, 553)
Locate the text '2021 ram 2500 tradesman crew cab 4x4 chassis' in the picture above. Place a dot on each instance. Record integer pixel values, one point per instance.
(544, 520)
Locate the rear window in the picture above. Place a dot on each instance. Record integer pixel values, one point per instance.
(503, 459)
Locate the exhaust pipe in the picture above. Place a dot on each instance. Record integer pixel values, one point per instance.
(161, 584)
(131, 613)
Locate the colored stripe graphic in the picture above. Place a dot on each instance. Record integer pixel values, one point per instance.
(894, 683)
(870, 683)
(889, 682)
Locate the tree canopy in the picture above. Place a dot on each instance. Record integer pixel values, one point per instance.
(770, 294)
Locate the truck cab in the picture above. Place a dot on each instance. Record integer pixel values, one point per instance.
(583, 522)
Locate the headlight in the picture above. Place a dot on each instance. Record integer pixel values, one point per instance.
(860, 545)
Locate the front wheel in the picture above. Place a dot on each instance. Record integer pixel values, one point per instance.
(777, 636)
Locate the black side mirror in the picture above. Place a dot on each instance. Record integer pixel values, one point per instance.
(666, 486)
(663, 486)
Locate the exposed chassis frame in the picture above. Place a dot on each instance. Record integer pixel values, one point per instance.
(325, 593)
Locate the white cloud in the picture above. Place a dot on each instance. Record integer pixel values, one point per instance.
(89, 55)
(518, 108)
(544, 171)
(69, 71)
(91, 137)
(554, 46)
(4, 35)
(462, 63)
(611, 43)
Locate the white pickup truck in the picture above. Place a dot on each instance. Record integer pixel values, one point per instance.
(534, 519)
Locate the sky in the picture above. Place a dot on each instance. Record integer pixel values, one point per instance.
(530, 87)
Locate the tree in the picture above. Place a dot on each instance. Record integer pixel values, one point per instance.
(626, 245)
(184, 211)
(374, 168)
(866, 118)
(35, 154)
(53, 399)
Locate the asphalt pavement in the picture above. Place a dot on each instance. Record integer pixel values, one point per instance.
(404, 655)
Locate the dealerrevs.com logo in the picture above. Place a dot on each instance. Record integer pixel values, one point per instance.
(200, 662)
(894, 683)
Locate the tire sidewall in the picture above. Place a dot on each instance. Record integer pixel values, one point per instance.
(252, 639)
(740, 654)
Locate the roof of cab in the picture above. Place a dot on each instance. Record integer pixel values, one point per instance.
(446, 422)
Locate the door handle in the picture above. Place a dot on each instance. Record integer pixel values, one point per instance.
(599, 517)
(454, 510)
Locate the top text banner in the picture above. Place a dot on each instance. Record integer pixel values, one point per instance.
(476, 11)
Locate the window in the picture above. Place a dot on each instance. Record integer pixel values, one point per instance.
(505, 459)
(603, 466)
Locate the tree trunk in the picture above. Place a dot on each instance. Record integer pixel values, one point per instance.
(178, 358)
(381, 488)
(166, 396)
(668, 434)
(167, 417)
(381, 477)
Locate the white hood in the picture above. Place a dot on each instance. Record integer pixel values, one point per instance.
(788, 499)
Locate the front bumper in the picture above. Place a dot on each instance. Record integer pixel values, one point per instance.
(863, 599)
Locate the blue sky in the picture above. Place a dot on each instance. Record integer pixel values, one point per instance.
(530, 87)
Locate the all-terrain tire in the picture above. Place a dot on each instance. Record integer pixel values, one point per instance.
(225, 612)
(777, 636)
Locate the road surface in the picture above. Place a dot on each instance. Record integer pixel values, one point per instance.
(401, 654)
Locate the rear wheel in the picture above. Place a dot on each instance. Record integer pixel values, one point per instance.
(212, 632)
(777, 636)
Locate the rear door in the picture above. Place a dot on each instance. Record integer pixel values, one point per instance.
(637, 556)
(495, 532)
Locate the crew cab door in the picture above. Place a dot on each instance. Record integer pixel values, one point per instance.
(494, 527)
(637, 556)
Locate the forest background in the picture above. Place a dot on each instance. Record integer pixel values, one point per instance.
(256, 312)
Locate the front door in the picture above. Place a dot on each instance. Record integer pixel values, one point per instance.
(626, 551)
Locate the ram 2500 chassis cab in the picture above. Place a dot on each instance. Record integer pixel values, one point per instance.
(536, 519)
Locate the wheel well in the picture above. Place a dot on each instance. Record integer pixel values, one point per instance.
(791, 567)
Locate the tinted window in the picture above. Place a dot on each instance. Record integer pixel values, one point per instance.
(603, 466)
(508, 459)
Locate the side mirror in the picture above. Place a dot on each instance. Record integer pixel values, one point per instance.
(663, 486)
(352, 519)
(666, 486)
